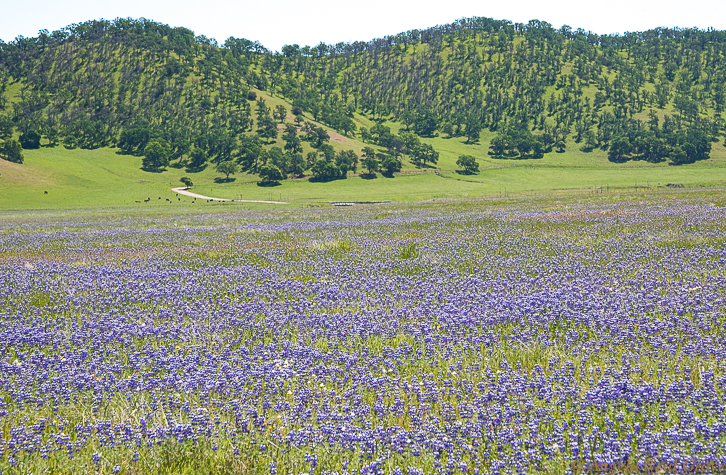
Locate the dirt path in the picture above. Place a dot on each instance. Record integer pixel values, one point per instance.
(334, 136)
(185, 192)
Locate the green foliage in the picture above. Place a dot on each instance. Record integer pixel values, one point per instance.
(6, 126)
(425, 123)
(325, 169)
(519, 143)
(134, 139)
(270, 173)
(277, 157)
(296, 164)
(293, 143)
(678, 156)
(249, 151)
(30, 140)
(468, 163)
(379, 134)
(317, 136)
(227, 168)
(218, 144)
(311, 158)
(678, 146)
(156, 154)
(11, 151)
(198, 158)
(266, 125)
(86, 133)
(473, 129)
(370, 163)
(347, 159)
(280, 113)
(186, 181)
(390, 165)
(328, 152)
(619, 149)
(422, 154)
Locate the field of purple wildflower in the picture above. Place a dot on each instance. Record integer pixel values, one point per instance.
(566, 338)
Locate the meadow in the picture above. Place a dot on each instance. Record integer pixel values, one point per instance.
(104, 177)
(543, 335)
(89, 179)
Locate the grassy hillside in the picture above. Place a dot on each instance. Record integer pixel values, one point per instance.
(102, 177)
(105, 177)
(620, 108)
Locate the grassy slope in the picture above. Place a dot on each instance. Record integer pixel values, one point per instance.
(83, 178)
(575, 169)
(90, 178)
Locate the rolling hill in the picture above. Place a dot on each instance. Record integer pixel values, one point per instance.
(539, 108)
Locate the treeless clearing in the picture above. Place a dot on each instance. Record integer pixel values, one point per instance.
(334, 136)
(25, 173)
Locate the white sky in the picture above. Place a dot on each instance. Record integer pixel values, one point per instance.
(308, 22)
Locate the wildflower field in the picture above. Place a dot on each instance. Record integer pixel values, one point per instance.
(578, 337)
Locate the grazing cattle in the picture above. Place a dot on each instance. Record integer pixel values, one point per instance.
(45, 192)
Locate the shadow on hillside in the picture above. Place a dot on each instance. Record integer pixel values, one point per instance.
(465, 172)
(515, 157)
(192, 169)
(368, 176)
(153, 170)
(130, 153)
(224, 180)
(268, 184)
(388, 175)
(618, 160)
(325, 179)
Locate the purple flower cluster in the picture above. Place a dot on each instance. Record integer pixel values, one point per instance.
(584, 338)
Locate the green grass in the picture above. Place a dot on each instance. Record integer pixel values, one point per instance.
(104, 178)
(83, 178)
(574, 158)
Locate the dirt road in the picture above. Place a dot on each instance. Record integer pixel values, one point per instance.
(183, 191)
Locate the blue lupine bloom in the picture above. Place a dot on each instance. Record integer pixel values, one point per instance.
(580, 338)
